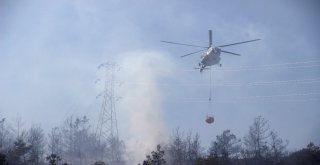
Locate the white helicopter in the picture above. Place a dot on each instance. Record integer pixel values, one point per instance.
(211, 55)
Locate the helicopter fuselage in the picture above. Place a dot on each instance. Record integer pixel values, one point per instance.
(209, 57)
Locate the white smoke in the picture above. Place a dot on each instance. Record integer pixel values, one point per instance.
(141, 104)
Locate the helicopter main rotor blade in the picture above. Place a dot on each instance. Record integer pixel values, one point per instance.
(238, 43)
(192, 53)
(230, 53)
(169, 42)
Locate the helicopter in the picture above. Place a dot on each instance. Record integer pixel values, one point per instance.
(210, 55)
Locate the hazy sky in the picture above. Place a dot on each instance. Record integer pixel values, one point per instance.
(50, 50)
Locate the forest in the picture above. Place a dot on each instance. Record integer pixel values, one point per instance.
(75, 143)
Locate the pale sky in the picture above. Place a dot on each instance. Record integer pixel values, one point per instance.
(50, 50)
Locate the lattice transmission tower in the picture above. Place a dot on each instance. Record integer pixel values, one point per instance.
(107, 127)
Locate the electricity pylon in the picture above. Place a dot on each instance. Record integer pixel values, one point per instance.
(107, 128)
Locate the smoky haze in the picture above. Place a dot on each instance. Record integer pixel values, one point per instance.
(49, 53)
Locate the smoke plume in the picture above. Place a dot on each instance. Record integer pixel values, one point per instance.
(141, 102)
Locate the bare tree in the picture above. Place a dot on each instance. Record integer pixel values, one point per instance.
(117, 146)
(225, 147)
(193, 147)
(6, 136)
(68, 137)
(177, 148)
(75, 133)
(256, 140)
(18, 153)
(36, 141)
(2, 133)
(55, 144)
(184, 150)
(277, 149)
(80, 144)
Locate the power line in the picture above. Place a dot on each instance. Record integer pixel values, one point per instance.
(292, 65)
(278, 64)
(246, 101)
(269, 68)
(258, 98)
(257, 83)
